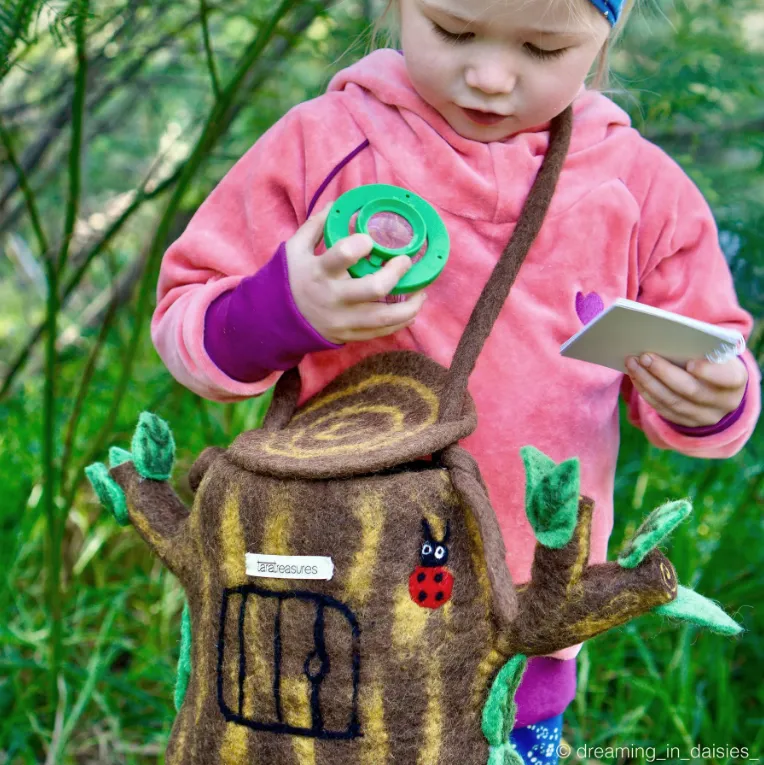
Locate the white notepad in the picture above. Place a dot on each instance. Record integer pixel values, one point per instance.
(628, 328)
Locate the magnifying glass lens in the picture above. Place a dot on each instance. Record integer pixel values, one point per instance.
(390, 230)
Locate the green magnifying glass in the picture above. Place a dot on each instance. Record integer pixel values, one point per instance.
(427, 226)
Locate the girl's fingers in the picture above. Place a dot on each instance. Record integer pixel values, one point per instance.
(383, 317)
(661, 398)
(669, 413)
(374, 287)
(676, 385)
(731, 376)
(672, 406)
(347, 252)
(370, 334)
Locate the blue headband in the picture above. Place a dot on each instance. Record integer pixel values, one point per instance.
(611, 9)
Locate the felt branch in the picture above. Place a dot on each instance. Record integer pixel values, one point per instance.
(567, 601)
(135, 491)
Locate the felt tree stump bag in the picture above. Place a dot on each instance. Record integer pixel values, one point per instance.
(348, 594)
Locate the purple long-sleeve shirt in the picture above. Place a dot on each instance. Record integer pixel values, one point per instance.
(257, 328)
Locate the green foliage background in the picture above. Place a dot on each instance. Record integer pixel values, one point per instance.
(118, 117)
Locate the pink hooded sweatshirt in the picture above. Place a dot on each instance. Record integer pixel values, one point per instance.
(625, 221)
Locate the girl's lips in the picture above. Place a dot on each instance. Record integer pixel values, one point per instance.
(483, 118)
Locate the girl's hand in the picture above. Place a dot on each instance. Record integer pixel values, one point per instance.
(700, 395)
(338, 306)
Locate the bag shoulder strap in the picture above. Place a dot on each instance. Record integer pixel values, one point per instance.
(504, 273)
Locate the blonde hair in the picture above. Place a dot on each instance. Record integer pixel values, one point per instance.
(600, 74)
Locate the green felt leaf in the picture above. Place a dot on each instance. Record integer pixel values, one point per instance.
(654, 529)
(500, 708)
(184, 660)
(551, 497)
(692, 607)
(505, 754)
(153, 447)
(118, 456)
(108, 491)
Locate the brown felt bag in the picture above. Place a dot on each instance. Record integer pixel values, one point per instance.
(396, 658)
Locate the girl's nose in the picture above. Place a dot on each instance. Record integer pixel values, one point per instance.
(493, 76)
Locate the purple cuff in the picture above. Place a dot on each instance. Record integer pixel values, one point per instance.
(547, 688)
(709, 430)
(257, 327)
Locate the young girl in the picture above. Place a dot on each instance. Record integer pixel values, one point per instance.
(461, 117)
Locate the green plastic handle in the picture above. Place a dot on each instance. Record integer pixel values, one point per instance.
(427, 226)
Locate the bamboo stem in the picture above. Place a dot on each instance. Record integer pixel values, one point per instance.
(29, 197)
(87, 376)
(55, 267)
(101, 91)
(208, 49)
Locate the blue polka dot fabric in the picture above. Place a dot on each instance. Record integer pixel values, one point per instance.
(538, 744)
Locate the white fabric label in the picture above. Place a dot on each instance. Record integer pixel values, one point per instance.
(289, 566)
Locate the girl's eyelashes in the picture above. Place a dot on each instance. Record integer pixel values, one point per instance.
(542, 52)
(450, 36)
(465, 37)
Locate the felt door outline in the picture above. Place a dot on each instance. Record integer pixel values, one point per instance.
(314, 676)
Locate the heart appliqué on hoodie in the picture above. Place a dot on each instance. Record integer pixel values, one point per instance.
(588, 306)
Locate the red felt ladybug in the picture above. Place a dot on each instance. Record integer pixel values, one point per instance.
(431, 583)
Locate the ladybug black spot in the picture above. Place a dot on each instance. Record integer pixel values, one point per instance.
(439, 596)
(420, 577)
(422, 596)
(439, 577)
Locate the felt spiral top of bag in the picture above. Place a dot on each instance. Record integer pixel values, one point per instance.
(377, 414)
(396, 406)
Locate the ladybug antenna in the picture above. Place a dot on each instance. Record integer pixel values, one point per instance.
(426, 529)
(448, 533)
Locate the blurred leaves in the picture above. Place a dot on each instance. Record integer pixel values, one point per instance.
(694, 75)
(15, 19)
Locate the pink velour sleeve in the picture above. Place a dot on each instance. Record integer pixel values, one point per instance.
(682, 269)
(258, 204)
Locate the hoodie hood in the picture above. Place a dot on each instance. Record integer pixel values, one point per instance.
(421, 145)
